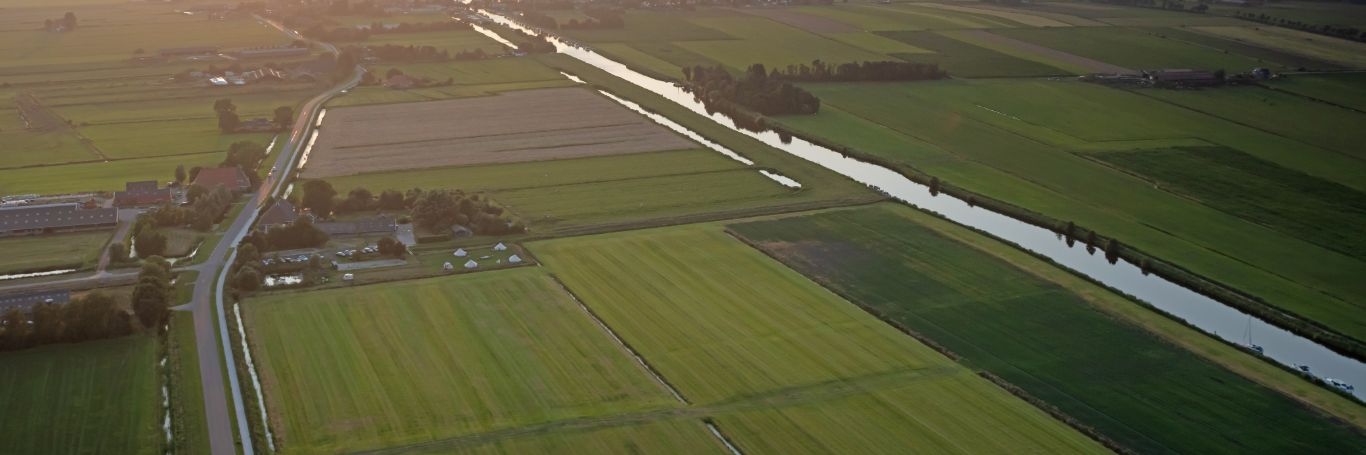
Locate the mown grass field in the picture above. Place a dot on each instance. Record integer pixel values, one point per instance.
(452, 41)
(407, 362)
(143, 27)
(52, 251)
(1015, 141)
(1300, 205)
(1132, 48)
(761, 40)
(1321, 125)
(1286, 58)
(1107, 372)
(1342, 52)
(1341, 89)
(92, 397)
(725, 324)
(967, 60)
(666, 436)
(98, 176)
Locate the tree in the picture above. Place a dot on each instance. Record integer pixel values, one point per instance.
(393, 72)
(436, 210)
(16, 330)
(152, 294)
(391, 200)
(318, 196)
(227, 115)
(393, 248)
(117, 252)
(247, 279)
(195, 192)
(358, 199)
(149, 242)
(180, 174)
(283, 116)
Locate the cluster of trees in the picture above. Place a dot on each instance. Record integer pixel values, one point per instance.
(207, 207)
(819, 71)
(1344, 32)
(391, 247)
(435, 210)
(439, 210)
(65, 24)
(353, 34)
(299, 234)
(92, 317)
(754, 90)
(227, 115)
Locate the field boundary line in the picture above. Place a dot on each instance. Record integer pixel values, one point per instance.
(620, 342)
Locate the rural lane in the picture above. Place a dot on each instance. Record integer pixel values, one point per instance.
(210, 322)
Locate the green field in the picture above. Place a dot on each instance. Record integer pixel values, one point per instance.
(1015, 141)
(668, 436)
(1046, 339)
(1287, 59)
(1300, 205)
(72, 250)
(92, 397)
(25, 148)
(1283, 114)
(773, 44)
(1342, 89)
(402, 363)
(113, 43)
(725, 324)
(966, 60)
(452, 41)
(100, 176)
(191, 428)
(1336, 50)
(1132, 48)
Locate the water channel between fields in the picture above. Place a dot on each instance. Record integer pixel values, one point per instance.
(1203, 312)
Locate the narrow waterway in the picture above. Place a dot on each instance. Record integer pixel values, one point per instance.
(1208, 314)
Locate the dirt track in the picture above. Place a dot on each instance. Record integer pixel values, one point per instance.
(518, 126)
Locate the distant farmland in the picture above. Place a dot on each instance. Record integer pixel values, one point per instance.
(796, 368)
(527, 125)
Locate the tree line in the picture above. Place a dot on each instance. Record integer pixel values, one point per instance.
(414, 53)
(754, 90)
(1344, 32)
(819, 71)
(94, 316)
(65, 23)
(433, 210)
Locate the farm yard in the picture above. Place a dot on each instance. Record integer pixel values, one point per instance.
(516, 126)
(1074, 354)
(93, 397)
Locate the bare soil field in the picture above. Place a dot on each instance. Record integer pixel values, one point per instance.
(529, 125)
(808, 22)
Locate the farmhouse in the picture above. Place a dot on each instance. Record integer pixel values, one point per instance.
(272, 52)
(141, 193)
(50, 217)
(231, 177)
(1182, 77)
(29, 300)
(280, 214)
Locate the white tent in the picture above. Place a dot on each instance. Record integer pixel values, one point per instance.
(460, 252)
(500, 247)
(471, 264)
(447, 267)
(514, 259)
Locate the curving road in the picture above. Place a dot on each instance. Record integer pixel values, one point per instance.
(211, 326)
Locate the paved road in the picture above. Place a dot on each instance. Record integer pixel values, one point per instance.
(210, 320)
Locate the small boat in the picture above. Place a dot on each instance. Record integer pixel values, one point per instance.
(1247, 335)
(1343, 386)
(1302, 368)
